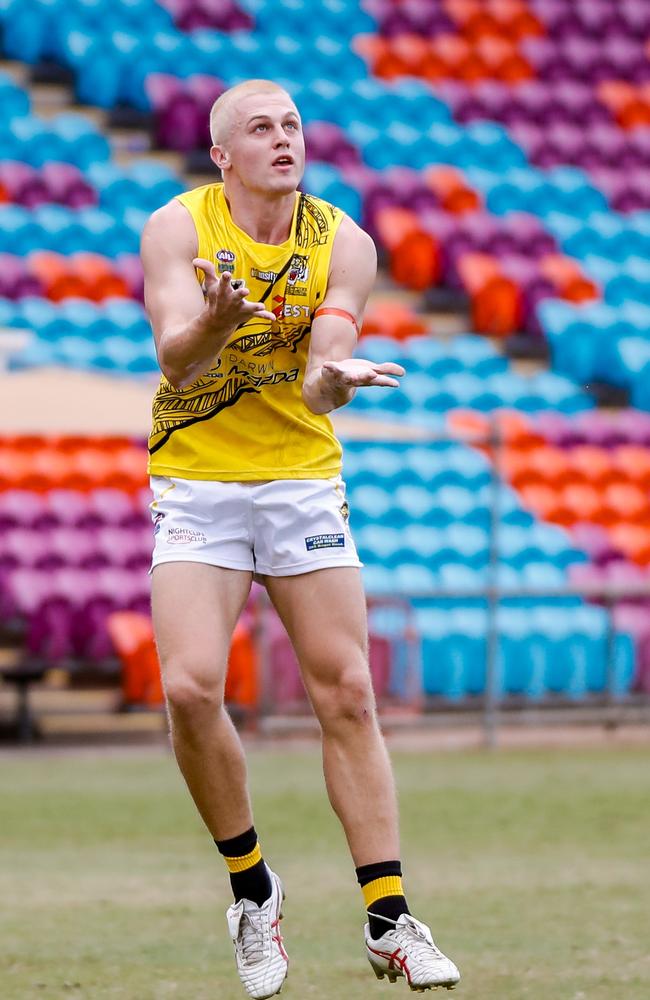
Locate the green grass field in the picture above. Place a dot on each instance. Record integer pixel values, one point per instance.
(532, 868)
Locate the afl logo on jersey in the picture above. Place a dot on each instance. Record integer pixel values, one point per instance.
(225, 260)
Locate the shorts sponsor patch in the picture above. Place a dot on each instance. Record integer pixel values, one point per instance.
(185, 536)
(335, 541)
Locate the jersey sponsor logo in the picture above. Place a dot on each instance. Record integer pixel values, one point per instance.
(299, 270)
(332, 541)
(185, 536)
(157, 518)
(263, 275)
(285, 309)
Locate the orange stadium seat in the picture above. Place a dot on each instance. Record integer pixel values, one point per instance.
(496, 301)
(633, 463)
(567, 276)
(242, 681)
(629, 104)
(516, 18)
(547, 503)
(99, 279)
(627, 502)
(452, 192)
(463, 62)
(586, 504)
(415, 256)
(461, 11)
(412, 51)
(633, 540)
(390, 318)
(383, 61)
(594, 464)
(482, 24)
(502, 60)
(54, 273)
(132, 636)
(554, 466)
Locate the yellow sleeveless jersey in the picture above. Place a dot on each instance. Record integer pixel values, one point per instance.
(244, 419)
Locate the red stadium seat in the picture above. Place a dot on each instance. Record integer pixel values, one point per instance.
(98, 277)
(415, 256)
(496, 301)
(453, 193)
(132, 636)
(54, 272)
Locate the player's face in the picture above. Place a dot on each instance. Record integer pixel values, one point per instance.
(266, 147)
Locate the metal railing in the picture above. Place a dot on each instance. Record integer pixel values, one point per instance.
(493, 594)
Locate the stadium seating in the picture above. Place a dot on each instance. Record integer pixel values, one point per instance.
(498, 150)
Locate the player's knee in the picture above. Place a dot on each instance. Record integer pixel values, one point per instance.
(191, 692)
(349, 699)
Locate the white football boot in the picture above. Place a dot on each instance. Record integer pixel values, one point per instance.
(262, 962)
(407, 949)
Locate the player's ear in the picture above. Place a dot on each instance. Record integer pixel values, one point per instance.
(220, 157)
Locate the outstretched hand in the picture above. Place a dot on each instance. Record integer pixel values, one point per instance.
(227, 302)
(356, 372)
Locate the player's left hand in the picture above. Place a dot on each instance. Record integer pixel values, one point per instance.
(357, 372)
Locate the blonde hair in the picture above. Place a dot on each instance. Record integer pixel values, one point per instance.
(221, 113)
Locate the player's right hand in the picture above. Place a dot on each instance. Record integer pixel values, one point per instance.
(228, 305)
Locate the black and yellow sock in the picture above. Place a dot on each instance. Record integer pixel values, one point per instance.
(381, 885)
(249, 876)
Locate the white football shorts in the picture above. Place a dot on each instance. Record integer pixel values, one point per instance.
(277, 528)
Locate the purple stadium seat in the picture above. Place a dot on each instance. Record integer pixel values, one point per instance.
(328, 143)
(222, 15)
(68, 186)
(162, 89)
(21, 548)
(527, 234)
(22, 509)
(595, 542)
(587, 575)
(181, 125)
(204, 90)
(633, 618)
(15, 280)
(176, 110)
(409, 189)
(584, 57)
(73, 547)
(545, 57)
(67, 508)
(635, 14)
(635, 426)
(112, 508)
(25, 184)
(129, 267)
(556, 428)
(639, 146)
(622, 573)
(598, 428)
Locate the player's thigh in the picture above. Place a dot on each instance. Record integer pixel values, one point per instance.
(195, 608)
(324, 613)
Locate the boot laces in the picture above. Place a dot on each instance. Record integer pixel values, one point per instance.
(252, 940)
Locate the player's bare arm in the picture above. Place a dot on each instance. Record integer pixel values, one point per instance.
(333, 375)
(190, 329)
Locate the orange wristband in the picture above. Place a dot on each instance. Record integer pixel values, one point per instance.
(343, 313)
